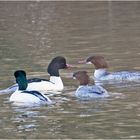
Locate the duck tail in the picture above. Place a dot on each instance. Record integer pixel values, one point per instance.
(9, 90)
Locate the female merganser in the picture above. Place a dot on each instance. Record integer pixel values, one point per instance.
(86, 91)
(54, 84)
(25, 97)
(101, 72)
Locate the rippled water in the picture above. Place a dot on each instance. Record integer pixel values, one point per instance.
(32, 33)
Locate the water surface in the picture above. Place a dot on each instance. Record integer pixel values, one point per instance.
(32, 33)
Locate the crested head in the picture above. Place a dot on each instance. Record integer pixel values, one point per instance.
(82, 77)
(60, 62)
(19, 72)
(98, 61)
(57, 63)
(21, 80)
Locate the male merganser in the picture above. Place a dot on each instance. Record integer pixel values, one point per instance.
(86, 91)
(102, 74)
(54, 84)
(24, 97)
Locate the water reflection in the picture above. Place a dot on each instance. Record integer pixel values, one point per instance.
(24, 119)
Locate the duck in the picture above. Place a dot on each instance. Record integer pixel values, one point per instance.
(85, 91)
(101, 73)
(55, 82)
(22, 96)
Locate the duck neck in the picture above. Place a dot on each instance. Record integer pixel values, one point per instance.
(57, 81)
(100, 72)
(83, 85)
(22, 83)
(53, 70)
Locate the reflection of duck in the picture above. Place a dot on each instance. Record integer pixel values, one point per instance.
(54, 84)
(101, 72)
(85, 91)
(23, 96)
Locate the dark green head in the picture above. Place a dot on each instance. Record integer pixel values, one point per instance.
(21, 80)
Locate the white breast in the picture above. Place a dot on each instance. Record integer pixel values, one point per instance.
(100, 73)
(55, 84)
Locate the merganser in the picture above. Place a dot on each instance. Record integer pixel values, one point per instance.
(101, 73)
(54, 84)
(86, 91)
(24, 97)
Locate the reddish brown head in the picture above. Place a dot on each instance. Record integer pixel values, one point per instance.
(82, 77)
(98, 61)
